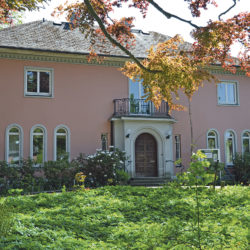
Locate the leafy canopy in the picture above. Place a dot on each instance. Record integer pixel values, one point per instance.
(8, 7)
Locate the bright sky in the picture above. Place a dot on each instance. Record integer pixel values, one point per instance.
(155, 21)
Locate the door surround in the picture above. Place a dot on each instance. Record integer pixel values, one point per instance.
(127, 129)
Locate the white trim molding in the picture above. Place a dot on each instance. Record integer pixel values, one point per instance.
(44, 141)
(242, 133)
(126, 132)
(234, 145)
(236, 93)
(38, 94)
(66, 128)
(13, 125)
(217, 135)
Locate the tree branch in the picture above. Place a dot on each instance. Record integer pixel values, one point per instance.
(113, 41)
(169, 15)
(225, 12)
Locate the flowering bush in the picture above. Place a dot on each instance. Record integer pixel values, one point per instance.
(103, 167)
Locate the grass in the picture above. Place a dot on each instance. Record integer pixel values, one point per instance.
(124, 217)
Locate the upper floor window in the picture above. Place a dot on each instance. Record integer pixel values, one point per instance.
(246, 142)
(136, 90)
(38, 82)
(212, 139)
(38, 147)
(61, 143)
(14, 144)
(227, 93)
(230, 146)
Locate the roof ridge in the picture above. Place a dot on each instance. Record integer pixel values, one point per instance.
(19, 25)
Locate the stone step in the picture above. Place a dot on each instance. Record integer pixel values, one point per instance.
(148, 181)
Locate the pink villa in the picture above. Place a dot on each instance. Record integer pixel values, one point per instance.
(53, 101)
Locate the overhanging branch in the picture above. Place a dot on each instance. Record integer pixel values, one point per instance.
(225, 12)
(170, 15)
(113, 41)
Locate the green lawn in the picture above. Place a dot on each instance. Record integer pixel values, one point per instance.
(126, 217)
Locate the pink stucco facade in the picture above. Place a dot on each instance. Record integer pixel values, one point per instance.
(207, 114)
(83, 101)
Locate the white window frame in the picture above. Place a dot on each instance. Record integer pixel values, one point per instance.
(236, 93)
(66, 128)
(234, 145)
(44, 141)
(243, 137)
(217, 137)
(38, 93)
(7, 133)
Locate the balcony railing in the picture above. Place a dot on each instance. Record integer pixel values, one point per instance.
(139, 107)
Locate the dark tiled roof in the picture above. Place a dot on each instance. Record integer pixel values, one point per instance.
(49, 36)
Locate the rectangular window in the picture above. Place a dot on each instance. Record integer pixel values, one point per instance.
(227, 93)
(38, 82)
(177, 147)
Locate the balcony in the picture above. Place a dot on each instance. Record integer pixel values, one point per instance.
(139, 107)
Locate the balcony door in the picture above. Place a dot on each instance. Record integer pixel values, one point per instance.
(146, 156)
(137, 104)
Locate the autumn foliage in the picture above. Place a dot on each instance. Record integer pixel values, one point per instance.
(7, 7)
(174, 69)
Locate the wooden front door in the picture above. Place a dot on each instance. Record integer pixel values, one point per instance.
(145, 156)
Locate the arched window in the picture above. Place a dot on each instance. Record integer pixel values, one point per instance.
(38, 144)
(61, 142)
(230, 146)
(246, 142)
(212, 139)
(14, 144)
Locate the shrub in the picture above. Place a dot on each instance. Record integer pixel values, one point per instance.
(59, 173)
(6, 219)
(242, 168)
(12, 177)
(103, 167)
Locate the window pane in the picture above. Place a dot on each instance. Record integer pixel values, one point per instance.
(14, 149)
(14, 130)
(221, 93)
(31, 81)
(177, 147)
(231, 93)
(211, 143)
(38, 148)
(229, 151)
(211, 133)
(61, 131)
(44, 82)
(246, 146)
(134, 90)
(142, 89)
(60, 146)
(38, 130)
(246, 134)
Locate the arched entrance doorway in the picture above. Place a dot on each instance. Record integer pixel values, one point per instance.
(146, 156)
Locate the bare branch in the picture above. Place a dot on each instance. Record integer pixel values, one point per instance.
(113, 41)
(223, 13)
(170, 15)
